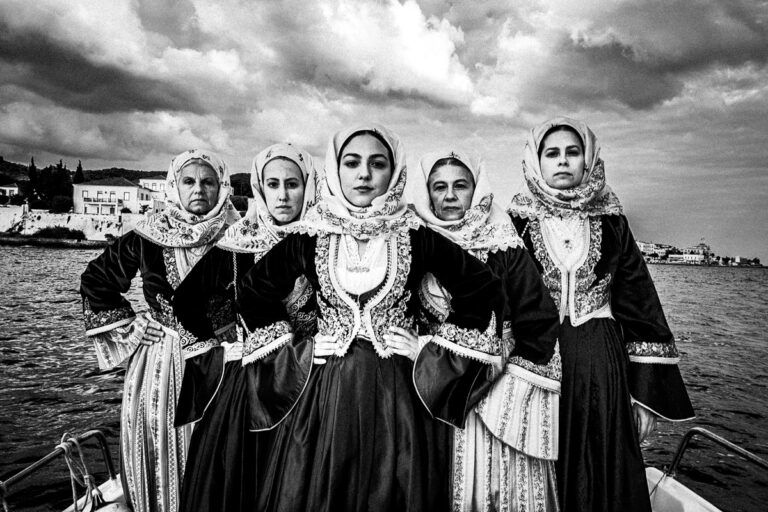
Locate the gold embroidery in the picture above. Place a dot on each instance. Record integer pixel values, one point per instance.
(171, 270)
(96, 319)
(651, 349)
(262, 340)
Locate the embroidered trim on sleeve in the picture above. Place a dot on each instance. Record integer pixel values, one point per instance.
(552, 370)
(264, 340)
(649, 352)
(482, 346)
(97, 322)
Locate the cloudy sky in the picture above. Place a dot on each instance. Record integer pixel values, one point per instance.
(676, 90)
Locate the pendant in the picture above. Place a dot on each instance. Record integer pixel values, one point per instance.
(358, 268)
(568, 243)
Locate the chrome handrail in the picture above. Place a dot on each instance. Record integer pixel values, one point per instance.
(683, 446)
(24, 473)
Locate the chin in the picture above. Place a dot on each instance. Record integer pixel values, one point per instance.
(362, 201)
(452, 216)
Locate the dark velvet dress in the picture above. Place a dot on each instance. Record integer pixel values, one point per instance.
(224, 455)
(199, 312)
(504, 457)
(605, 362)
(364, 433)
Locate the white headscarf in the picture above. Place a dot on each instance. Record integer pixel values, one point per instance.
(257, 231)
(485, 226)
(178, 228)
(591, 197)
(387, 213)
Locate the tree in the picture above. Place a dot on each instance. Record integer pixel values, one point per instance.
(79, 177)
(61, 204)
(32, 178)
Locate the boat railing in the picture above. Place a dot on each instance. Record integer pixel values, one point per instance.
(98, 435)
(702, 432)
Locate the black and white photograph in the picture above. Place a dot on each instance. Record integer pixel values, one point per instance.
(383, 255)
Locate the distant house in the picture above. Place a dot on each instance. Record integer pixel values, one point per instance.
(9, 189)
(690, 259)
(157, 186)
(109, 196)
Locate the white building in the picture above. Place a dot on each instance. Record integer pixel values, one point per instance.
(157, 186)
(690, 259)
(10, 189)
(109, 196)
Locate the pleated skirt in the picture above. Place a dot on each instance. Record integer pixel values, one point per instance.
(600, 465)
(358, 439)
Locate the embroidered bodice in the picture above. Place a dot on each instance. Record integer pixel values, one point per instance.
(568, 250)
(342, 312)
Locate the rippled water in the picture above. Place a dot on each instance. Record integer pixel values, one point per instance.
(49, 382)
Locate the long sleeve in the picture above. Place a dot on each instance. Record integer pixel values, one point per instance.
(277, 365)
(529, 308)
(654, 377)
(107, 314)
(455, 368)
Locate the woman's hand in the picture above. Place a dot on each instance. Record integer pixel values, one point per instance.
(404, 342)
(324, 347)
(147, 331)
(645, 421)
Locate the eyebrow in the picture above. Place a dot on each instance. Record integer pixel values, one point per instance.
(382, 155)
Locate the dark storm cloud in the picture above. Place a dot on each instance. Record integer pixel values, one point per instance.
(37, 63)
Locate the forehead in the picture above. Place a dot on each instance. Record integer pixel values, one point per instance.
(561, 138)
(450, 173)
(197, 168)
(281, 168)
(365, 145)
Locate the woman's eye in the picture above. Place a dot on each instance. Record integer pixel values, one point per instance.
(551, 154)
(271, 184)
(351, 163)
(188, 181)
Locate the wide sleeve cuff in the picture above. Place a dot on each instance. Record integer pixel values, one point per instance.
(97, 322)
(265, 340)
(655, 381)
(202, 379)
(449, 382)
(275, 383)
(471, 343)
(522, 407)
(114, 347)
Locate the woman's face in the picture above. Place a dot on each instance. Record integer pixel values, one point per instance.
(283, 189)
(451, 188)
(364, 170)
(198, 187)
(562, 160)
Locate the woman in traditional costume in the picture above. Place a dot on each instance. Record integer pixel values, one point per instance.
(362, 432)
(222, 467)
(503, 459)
(619, 358)
(174, 252)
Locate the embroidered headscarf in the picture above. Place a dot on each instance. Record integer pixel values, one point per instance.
(178, 228)
(591, 197)
(484, 227)
(387, 213)
(257, 231)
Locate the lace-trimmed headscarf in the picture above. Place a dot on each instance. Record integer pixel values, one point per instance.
(485, 226)
(257, 231)
(590, 198)
(175, 227)
(386, 214)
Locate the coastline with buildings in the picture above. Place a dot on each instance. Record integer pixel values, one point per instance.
(101, 205)
(700, 254)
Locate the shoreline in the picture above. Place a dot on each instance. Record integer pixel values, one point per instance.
(702, 266)
(52, 243)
